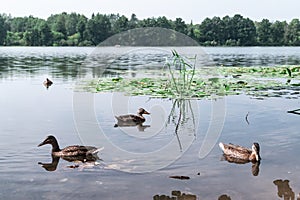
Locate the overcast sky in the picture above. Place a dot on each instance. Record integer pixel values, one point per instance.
(188, 10)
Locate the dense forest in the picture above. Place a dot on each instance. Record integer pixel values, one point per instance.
(77, 30)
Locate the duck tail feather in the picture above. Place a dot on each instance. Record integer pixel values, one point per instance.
(221, 145)
(97, 150)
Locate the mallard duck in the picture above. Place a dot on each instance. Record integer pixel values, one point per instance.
(132, 119)
(47, 83)
(71, 153)
(241, 153)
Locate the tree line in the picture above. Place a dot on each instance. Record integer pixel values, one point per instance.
(77, 30)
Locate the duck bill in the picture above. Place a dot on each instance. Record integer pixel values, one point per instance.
(43, 143)
(147, 113)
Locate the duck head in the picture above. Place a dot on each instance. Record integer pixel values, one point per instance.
(51, 140)
(142, 111)
(256, 149)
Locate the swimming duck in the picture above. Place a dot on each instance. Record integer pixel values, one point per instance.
(71, 153)
(47, 83)
(241, 153)
(132, 119)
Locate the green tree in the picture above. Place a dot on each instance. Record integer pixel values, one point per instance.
(293, 33)
(121, 24)
(32, 23)
(32, 38)
(58, 39)
(3, 28)
(133, 22)
(246, 32)
(18, 24)
(46, 36)
(238, 30)
(278, 33)
(71, 21)
(263, 29)
(163, 22)
(81, 28)
(212, 31)
(99, 28)
(180, 26)
(59, 24)
(149, 22)
(14, 39)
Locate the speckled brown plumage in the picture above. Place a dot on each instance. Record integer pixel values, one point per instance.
(70, 151)
(132, 119)
(241, 153)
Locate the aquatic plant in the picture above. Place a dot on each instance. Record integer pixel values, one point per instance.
(182, 72)
(191, 83)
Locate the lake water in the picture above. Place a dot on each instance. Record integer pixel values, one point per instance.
(138, 161)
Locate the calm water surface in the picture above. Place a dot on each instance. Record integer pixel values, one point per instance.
(30, 112)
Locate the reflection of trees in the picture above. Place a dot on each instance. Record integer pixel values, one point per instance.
(175, 195)
(284, 189)
(182, 116)
(66, 67)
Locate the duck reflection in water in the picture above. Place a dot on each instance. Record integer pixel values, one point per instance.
(86, 161)
(241, 155)
(131, 120)
(140, 127)
(284, 189)
(50, 166)
(75, 153)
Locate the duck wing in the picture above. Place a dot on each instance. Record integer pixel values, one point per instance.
(235, 151)
(77, 150)
(129, 119)
(234, 147)
(80, 153)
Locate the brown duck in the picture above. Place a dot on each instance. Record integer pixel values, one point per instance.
(71, 153)
(241, 153)
(47, 83)
(131, 119)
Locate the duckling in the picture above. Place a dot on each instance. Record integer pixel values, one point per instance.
(132, 119)
(241, 153)
(47, 83)
(71, 153)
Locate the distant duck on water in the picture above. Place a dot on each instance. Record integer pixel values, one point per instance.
(47, 83)
(241, 153)
(131, 119)
(71, 153)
